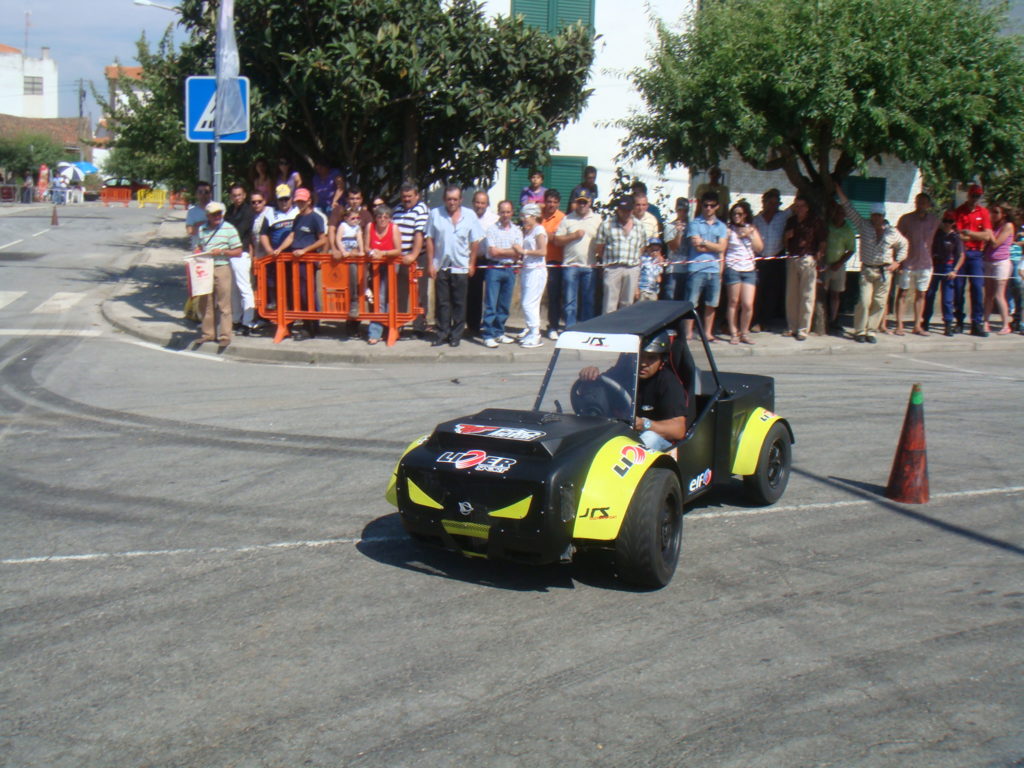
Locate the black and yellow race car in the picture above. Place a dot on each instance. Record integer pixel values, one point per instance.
(569, 475)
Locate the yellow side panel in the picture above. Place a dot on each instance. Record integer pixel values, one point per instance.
(611, 480)
(418, 496)
(515, 511)
(391, 494)
(751, 440)
(459, 528)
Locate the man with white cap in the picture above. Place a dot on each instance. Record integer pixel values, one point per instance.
(220, 240)
(882, 249)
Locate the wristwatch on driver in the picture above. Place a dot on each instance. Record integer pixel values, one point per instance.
(646, 424)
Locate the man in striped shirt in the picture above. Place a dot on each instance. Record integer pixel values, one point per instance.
(411, 217)
(618, 246)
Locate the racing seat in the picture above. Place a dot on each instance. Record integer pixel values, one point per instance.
(698, 384)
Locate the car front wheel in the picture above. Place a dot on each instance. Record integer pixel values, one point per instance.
(768, 482)
(647, 549)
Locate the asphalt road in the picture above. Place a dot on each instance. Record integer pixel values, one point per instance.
(199, 569)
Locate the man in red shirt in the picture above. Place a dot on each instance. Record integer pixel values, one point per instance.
(971, 218)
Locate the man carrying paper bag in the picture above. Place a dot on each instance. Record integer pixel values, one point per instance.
(218, 242)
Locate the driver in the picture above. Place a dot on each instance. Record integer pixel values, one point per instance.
(663, 406)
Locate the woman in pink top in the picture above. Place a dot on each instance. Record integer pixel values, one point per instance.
(384, 244)
(996, 257)
(740, 275)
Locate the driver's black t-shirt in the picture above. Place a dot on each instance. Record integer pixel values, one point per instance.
(662, 397)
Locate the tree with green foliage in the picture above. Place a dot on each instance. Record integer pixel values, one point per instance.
(148, 124)
(386, 89)
(817, 88)
(27, 151)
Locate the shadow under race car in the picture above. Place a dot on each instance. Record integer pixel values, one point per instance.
(538, 486)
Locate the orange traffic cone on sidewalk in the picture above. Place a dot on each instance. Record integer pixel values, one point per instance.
(53, 218)
(908, 481)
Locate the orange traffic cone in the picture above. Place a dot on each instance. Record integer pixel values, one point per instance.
(908, 481)
(53, 218)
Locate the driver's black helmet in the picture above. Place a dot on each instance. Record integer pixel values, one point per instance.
(659, 343)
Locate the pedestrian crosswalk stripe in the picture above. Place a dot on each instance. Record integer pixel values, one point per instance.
(61, 301)
(6, 297)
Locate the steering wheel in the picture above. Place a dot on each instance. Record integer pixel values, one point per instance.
(603, 396)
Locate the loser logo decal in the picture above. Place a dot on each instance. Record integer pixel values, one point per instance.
(700, 481)
(478, 460)
(631, 455)
(508, 433)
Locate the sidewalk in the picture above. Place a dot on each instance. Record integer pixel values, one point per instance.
(149, 303)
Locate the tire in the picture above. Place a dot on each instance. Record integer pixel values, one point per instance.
(769, 480)
(648, 546)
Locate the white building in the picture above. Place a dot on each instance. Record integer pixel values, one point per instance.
(28, 86)
(626, 36)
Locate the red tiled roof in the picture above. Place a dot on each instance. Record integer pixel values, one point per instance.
(8, 49)
(68, 131)
(115, 72)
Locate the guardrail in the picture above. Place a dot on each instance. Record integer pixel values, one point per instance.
(157, 197)
(316, 286)
(110, 195)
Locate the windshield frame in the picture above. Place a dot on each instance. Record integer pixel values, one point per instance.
(580, 347)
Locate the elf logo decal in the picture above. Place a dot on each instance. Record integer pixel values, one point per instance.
(478, 460)
(631, 455)
(508, 433)
(595, 341)
(700, 481)
(596, 513)
(767, 416)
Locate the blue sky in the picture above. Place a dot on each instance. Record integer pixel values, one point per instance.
(84, 36)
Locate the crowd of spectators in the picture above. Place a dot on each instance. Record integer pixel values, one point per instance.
(783, 270)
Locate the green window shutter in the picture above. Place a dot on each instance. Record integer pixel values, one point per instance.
(570, 11)
(563, 173)
(552, 15)
(863, 191)
(535, 12)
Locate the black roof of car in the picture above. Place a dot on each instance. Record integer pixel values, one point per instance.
(641, 319)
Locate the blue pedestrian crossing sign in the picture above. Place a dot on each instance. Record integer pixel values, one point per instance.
(200, 103)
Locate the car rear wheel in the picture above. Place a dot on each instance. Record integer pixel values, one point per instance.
(647, 549)
(768, 482)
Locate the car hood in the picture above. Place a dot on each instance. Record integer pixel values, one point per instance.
(522, 433)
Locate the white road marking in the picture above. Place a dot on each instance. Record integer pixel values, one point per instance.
(81, 333)
(826, 505)
(221, 359)
(280, 545)
(316, 543)
(41, 232)
(59, 302)
(955, 368)
(6, 297)
(13, 242)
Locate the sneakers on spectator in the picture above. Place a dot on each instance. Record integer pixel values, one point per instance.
(553, 334)
(503, 339)
(491, 343)
(523, 334)
(531, 342)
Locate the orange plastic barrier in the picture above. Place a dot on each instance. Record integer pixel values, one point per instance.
(115, 195)
(297, 291)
